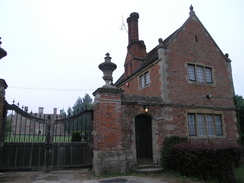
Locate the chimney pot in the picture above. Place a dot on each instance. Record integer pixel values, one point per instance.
(41, 109)
(133, 27)
(54, 110)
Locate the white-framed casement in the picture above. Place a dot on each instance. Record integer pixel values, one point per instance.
(144, 79)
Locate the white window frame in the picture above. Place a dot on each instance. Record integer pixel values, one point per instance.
(144, 79)
(205, 124)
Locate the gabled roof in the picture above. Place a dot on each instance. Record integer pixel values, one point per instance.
(153, 54)
(151, 57)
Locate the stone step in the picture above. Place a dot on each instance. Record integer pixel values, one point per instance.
(151, 170)
(146, 166)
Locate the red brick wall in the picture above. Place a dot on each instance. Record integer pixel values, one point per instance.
(152, 90)
(107, 122)
(182, 92)
(184, 49)
(169, 121)
(114, 122)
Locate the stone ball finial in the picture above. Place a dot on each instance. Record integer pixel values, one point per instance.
(227, 57)
(107, 67)
(160, 43)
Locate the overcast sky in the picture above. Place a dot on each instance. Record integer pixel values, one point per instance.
(55, 46)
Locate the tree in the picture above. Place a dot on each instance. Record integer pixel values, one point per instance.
(69, 111)
(239, 103)
(81, 124)
(81, 104)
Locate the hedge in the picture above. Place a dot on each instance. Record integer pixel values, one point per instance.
(167, 147)
(205, 161)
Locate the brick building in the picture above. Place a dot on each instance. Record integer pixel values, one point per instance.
(181, 87)
(20, 125)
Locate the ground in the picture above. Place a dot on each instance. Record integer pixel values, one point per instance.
(82, 176)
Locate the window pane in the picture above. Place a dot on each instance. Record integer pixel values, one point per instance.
(210, 126)
(218, 125)
(191, 124)
(142, 81)
(191, 72)
(200, 76)
(201, 126)
(208, 75)
(147, 78)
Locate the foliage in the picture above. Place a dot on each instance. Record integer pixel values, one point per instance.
(166, 152)
(240, 174)
(239, 103)
(69, 111)
(81, 104)
(7, 128)
(205, 161)
(76, 137)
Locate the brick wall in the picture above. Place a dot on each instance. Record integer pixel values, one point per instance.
(107, 122)
(170, 96)
(153, 89)
(184, 49)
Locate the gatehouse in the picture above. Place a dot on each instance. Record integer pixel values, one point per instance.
(182, 87)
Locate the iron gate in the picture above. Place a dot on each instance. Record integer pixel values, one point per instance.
(45, 142)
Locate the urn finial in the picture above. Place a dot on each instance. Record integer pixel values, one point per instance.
(108, 67)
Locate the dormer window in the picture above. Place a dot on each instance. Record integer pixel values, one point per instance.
(144, 79)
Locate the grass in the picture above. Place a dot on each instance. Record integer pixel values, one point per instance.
(240, 174)
(35, 138)
(182, 178)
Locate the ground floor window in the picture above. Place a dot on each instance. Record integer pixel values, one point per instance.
(205, 124)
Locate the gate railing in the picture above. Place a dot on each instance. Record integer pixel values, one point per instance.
(45, 142)
(75, 128)
(21, 126)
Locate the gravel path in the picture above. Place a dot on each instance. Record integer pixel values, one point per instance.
(79, 176)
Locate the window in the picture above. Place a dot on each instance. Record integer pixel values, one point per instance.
(144, 80)
(199, 73)
(204, 124)
(208, 75)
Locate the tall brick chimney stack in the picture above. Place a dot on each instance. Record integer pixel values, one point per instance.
(133, 28)
(136, 50)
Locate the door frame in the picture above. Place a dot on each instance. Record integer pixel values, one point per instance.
(145, 134)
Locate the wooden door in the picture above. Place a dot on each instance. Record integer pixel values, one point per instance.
(143, 126)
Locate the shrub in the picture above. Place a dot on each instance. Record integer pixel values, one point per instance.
(76, 136)
(205, 161)
(166, 152)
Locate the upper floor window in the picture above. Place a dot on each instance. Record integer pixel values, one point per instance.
(204, 124)
(199, 73)
(144, 79)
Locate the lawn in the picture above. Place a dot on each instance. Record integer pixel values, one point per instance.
(240, 174)
(35, 138)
